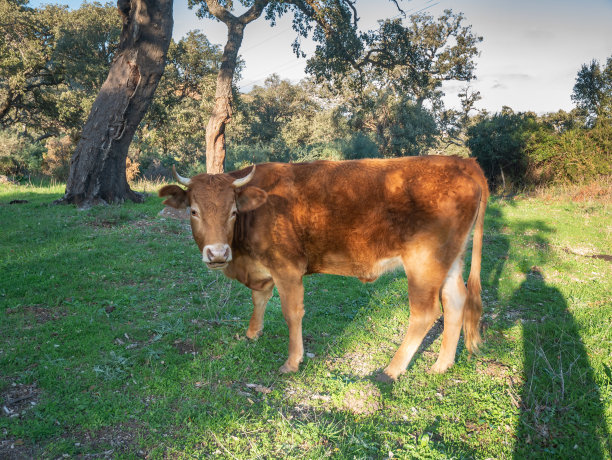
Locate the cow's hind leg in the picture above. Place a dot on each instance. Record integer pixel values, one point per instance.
(424, 283)
(423, 292)
(453, 300)
(260, 300)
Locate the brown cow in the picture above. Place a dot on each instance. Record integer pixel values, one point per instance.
(357, 218)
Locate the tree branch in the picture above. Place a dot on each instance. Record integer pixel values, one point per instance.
(220, 12)
(254, 11)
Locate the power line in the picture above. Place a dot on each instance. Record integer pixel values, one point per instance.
(267, 39)
(292, 64)
(285, 66)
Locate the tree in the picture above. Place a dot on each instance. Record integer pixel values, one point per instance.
(171, 130)
(26, 66)
(406, 63)
(593, 91)
(499, 143)
(333, 24)
(97, 170)
(52, 63)
(273, 105)
(222, 110)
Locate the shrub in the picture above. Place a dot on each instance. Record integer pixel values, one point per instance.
(575, 156)
(131, 169)
(18, 155)
(56, 160)
(527, 151)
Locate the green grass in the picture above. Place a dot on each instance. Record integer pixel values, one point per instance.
(116, 341)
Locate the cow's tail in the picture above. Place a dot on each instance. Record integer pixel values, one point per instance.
(473, 303)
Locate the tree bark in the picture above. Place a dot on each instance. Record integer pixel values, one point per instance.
(222, 110)
(97, 168)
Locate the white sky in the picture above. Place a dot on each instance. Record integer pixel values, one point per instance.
(531, 52)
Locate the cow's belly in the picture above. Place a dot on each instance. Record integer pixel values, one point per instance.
(365, 270)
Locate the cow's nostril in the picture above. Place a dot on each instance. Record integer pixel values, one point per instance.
(209, 254)
(226, 254)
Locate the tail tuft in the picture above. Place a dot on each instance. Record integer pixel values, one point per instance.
(471, 315)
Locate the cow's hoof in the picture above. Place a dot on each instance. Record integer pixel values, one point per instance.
(253, 335)
(384, 378)
(439, 368)
(288, 368)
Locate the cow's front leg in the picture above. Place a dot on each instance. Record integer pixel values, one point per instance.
(260, 300)
(291, 292)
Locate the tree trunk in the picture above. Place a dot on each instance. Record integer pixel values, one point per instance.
(222, 111)
(97, 168)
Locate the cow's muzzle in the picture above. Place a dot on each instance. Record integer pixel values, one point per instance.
(217, 256)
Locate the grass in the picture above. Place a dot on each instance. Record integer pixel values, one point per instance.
(115, 341)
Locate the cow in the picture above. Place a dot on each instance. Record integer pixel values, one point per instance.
(271, 224)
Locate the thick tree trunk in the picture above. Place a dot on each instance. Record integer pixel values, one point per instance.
(97, 168)
(222, 111)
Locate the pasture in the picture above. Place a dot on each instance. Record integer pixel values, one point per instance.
(116, 341)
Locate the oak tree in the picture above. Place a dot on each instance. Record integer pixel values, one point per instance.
(97, 170)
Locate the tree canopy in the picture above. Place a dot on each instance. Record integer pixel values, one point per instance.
(52, 63)
(593, 91)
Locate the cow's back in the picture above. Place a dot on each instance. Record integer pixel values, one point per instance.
(346, 217)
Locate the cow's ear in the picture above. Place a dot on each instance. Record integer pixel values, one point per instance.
(250, 198)
(178, 197)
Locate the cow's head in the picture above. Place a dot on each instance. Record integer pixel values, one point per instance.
(214, 201)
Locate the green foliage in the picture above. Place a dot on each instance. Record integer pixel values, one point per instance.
(574, 156)
(52, 62)
(18, 155)
(527, 150)
(267, 109)
(499, 141)
(393, 87)
(593, 91)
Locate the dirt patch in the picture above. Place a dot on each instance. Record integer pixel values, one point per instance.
(362, 401)
(187, 347)
(41, 313)
(15, 449)
(18, 398)
(112, 441)
(359, 363)
(498, 371)
(587, 252)
(104, 223)
(606, 257)
(143, 223)
(182, 214)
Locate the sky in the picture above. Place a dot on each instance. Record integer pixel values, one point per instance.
(529, 57)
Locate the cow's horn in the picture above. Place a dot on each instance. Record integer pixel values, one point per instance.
(180, 179)
(244, 180)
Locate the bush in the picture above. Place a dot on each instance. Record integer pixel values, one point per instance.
(525, 150)
(19, 156)
(575, 156)
(56, 160)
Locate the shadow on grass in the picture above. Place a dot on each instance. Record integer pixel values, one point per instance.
(561, 411)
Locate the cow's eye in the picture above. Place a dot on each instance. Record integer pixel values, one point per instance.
(234, 214)
(194, 212)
